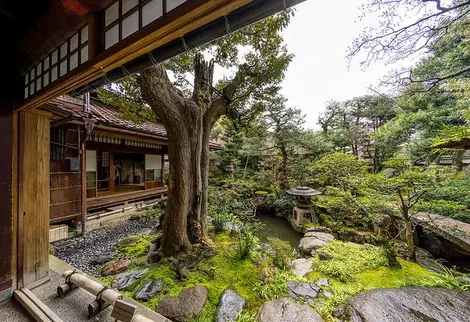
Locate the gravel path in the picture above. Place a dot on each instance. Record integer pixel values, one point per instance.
(89, 252)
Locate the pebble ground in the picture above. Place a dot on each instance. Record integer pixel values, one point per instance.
(99, 245)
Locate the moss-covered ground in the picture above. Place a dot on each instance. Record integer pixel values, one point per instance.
(353, 268)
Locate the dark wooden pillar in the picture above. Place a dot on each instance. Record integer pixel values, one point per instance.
(7, 218)
(83, 181)
(163, 169)
(111, 171)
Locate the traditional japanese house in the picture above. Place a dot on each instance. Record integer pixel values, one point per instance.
(99, 159)
(54, 155)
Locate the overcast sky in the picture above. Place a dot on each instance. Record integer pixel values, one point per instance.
(318, 36)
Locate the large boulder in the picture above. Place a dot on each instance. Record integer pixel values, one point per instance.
(314, 240)
(230, 306)
(413, 304)
(185, 306)
(115, 267)
(148, 290)
(302, 266)
(129, 280)
(286, 310)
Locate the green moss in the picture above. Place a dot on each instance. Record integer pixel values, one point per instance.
(136, 246)
(410, 274)
(349, 259)
(224, 270)
(356, 268)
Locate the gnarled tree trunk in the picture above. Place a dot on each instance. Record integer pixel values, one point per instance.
(188, 122)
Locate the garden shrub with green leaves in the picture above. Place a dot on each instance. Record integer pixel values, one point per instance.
(282, 252)
(349, 259)
(246, 229)
(220, 209)
(450, 198)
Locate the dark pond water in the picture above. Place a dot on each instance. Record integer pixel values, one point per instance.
(277, 227)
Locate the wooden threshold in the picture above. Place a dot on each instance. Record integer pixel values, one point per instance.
(35, 307)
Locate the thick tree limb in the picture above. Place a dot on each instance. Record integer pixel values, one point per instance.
(156, 87)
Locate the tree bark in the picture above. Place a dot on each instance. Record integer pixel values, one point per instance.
(283, 182)
(409, 236)
(188, 122)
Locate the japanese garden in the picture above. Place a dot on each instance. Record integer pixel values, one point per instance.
(362, 215)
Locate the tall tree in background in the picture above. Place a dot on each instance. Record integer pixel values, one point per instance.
(254, 60)
(285, 125)
(351, 125)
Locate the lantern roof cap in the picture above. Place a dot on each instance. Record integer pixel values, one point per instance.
(303, 192)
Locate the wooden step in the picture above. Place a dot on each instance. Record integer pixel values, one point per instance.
(35, 307)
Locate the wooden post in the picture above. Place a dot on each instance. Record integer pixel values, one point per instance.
(7, 223)
(163, 169)
(111, 171)
(83, 172)
(34, 198)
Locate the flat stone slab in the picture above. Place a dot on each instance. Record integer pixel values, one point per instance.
(286, 310)
(148, 290)
(302, 266)
(455, 231)
(230, 306)
(116, 267)
(321, 229)
(128, 280)
(413, 304)
(303, 291)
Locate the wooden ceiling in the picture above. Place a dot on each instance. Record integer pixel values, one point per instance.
(43, 24)
(28, 29)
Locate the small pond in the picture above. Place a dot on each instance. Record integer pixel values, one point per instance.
(279, 228)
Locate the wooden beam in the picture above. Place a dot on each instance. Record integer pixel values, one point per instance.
(111, 171)
(140, 43)
(38, 310)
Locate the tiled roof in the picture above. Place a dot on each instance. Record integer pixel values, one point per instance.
(110, 116)
(105, 115)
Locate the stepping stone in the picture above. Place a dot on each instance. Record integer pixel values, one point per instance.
(286, 310)
(185, 306)
(302, 266)
(148, 290)
(230, 306)
(303, 291)
(314, 240)
(128, 280)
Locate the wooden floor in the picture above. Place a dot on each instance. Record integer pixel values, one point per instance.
(121, 189)
(123, 196)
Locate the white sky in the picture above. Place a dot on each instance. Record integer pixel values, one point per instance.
(318, 36)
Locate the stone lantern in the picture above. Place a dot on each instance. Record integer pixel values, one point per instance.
(303, 211)
(230, 170)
